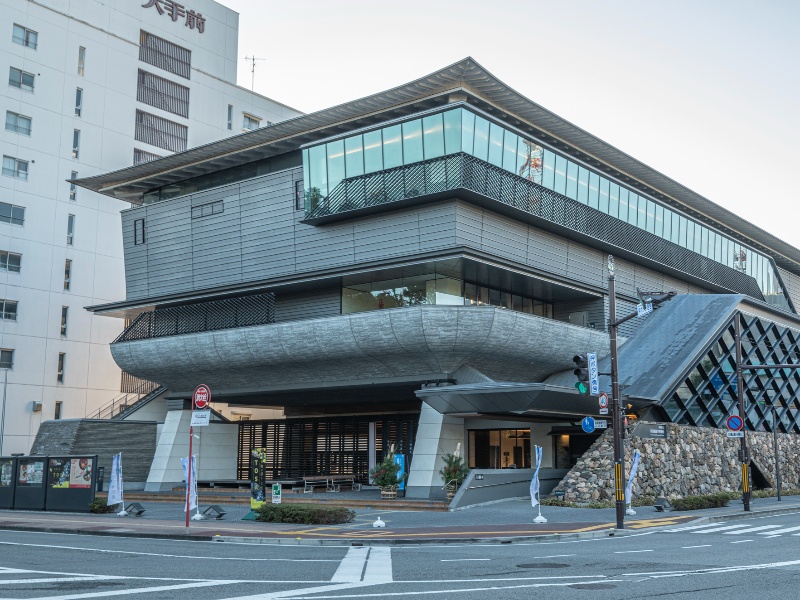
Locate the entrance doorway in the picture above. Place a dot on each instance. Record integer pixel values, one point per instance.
(499, 448)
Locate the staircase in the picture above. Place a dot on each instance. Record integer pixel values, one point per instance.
(122, 404)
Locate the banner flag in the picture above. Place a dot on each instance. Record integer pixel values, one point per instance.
(115, 483)
(193, 491)
(535, 480)
(634, 468)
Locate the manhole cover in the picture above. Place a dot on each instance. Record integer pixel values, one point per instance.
(592, 586)
(543, 566)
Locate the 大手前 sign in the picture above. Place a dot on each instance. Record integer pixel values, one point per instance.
(175, 10)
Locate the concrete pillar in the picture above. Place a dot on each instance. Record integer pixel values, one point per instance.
(437, 435)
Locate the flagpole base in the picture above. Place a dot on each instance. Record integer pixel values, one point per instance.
(197, 517)
(540, 519)
(122, 513)
(630, 512)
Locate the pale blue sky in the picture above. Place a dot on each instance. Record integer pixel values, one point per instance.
(704, 92)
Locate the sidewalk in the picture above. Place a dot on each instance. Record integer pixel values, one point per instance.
(501, 522)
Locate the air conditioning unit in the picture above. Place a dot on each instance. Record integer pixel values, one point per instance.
(37, 407)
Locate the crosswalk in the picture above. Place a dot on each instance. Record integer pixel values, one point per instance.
(740, 529)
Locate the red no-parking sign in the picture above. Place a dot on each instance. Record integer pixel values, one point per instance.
(201, 397)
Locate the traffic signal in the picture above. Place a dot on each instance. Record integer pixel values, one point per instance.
(582, 373)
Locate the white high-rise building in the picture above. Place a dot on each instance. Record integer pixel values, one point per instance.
(93, 86)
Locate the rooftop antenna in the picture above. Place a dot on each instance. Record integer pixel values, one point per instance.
(253, 60)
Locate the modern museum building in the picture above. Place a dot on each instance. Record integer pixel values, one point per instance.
(418, 268)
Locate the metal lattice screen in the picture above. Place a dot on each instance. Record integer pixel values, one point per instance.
(463, 171)
(243, 311)
(296, 448)
(708, 396)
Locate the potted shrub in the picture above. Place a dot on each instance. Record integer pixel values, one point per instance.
(384, 476)
(454, 472)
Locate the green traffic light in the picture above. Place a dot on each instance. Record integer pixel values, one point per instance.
(581, 387)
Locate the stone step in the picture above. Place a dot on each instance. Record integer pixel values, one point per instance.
(323, 498)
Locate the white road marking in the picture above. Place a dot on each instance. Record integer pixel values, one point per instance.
(736, 542)
(786, 530)
(379, 565)
(725, 528)
(352, 566)
(455, 559)
(682, 547)
(162, 588)
(752, 529)
(557, 556)
(86, 578)
(302, 591)
(618, 552)
(769, 537)
(196, 557)
(691, 527)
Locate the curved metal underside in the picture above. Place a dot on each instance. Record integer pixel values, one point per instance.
(413, 344)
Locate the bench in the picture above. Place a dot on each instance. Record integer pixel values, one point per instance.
(337, 481)
(309, 483)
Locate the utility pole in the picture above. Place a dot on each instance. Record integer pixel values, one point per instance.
(648, 301)
(253, 60)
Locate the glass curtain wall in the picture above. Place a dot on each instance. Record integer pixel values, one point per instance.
(435, 289)
(460, 130)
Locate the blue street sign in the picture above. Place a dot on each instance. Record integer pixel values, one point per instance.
(587, 424)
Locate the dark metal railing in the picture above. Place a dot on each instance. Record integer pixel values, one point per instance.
(244, 311)
(123, 402)
(465, 172)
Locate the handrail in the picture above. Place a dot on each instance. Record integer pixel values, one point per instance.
(124, 401)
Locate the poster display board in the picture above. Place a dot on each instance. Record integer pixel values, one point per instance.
(70, 482)
(31, 478)
(8, 467)
(257, 477)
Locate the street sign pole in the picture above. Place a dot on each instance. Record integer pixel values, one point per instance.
(201, 399)
(619, 459)
(189, 474)
(744, 458)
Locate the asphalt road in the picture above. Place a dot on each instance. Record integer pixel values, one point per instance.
(755, 557)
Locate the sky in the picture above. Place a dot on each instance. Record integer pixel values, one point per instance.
(702, 91)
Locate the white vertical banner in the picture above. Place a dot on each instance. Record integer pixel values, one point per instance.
(193, 490)
(594, 379)
(535, 480)
(115, 482)
(634, 468)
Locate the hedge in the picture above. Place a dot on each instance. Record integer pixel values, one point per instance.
(706, 501)
(307, 514)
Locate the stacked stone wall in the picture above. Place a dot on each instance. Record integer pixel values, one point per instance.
(689, 462)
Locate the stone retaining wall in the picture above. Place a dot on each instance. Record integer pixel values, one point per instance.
(690, 461)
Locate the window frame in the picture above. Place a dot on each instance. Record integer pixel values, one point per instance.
(73, 188)
(62, 361)
(76, 143)
(67, 274)
(15, 171)
(10, 364)
(78, 101)
(70, 230)
(251, 118)
(18, 82)
(139, 232)
(15, 128)
(5, 262)
(25, 40)
(9, 310)
(64, 316)
(81, 60)
(13, 220)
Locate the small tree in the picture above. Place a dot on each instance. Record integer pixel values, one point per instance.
(385, 474)
(454, 469)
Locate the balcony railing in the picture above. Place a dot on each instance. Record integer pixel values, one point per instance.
(464, 173)
(214, 315)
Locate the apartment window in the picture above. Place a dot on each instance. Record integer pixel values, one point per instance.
(11, 213)
(163, 93)
(20, 79)
(78, 101)
(165, 55)
(299, 197)
(76, 143)
(10, 262)
(163, 133)
(64, 311)
(81, 60)
(57, 413)
(6, 359)
(14, 167)
(230, 116)
(73, 188)
(250, 123)
(67, 274)
(140, 156)
(18, 123)
(24, 36)
(138, 232)
(204, 210)
(8, 310)
(62, 357)
(70, 229)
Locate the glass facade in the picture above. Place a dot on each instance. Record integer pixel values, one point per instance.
(460, 130)
(435, 289)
